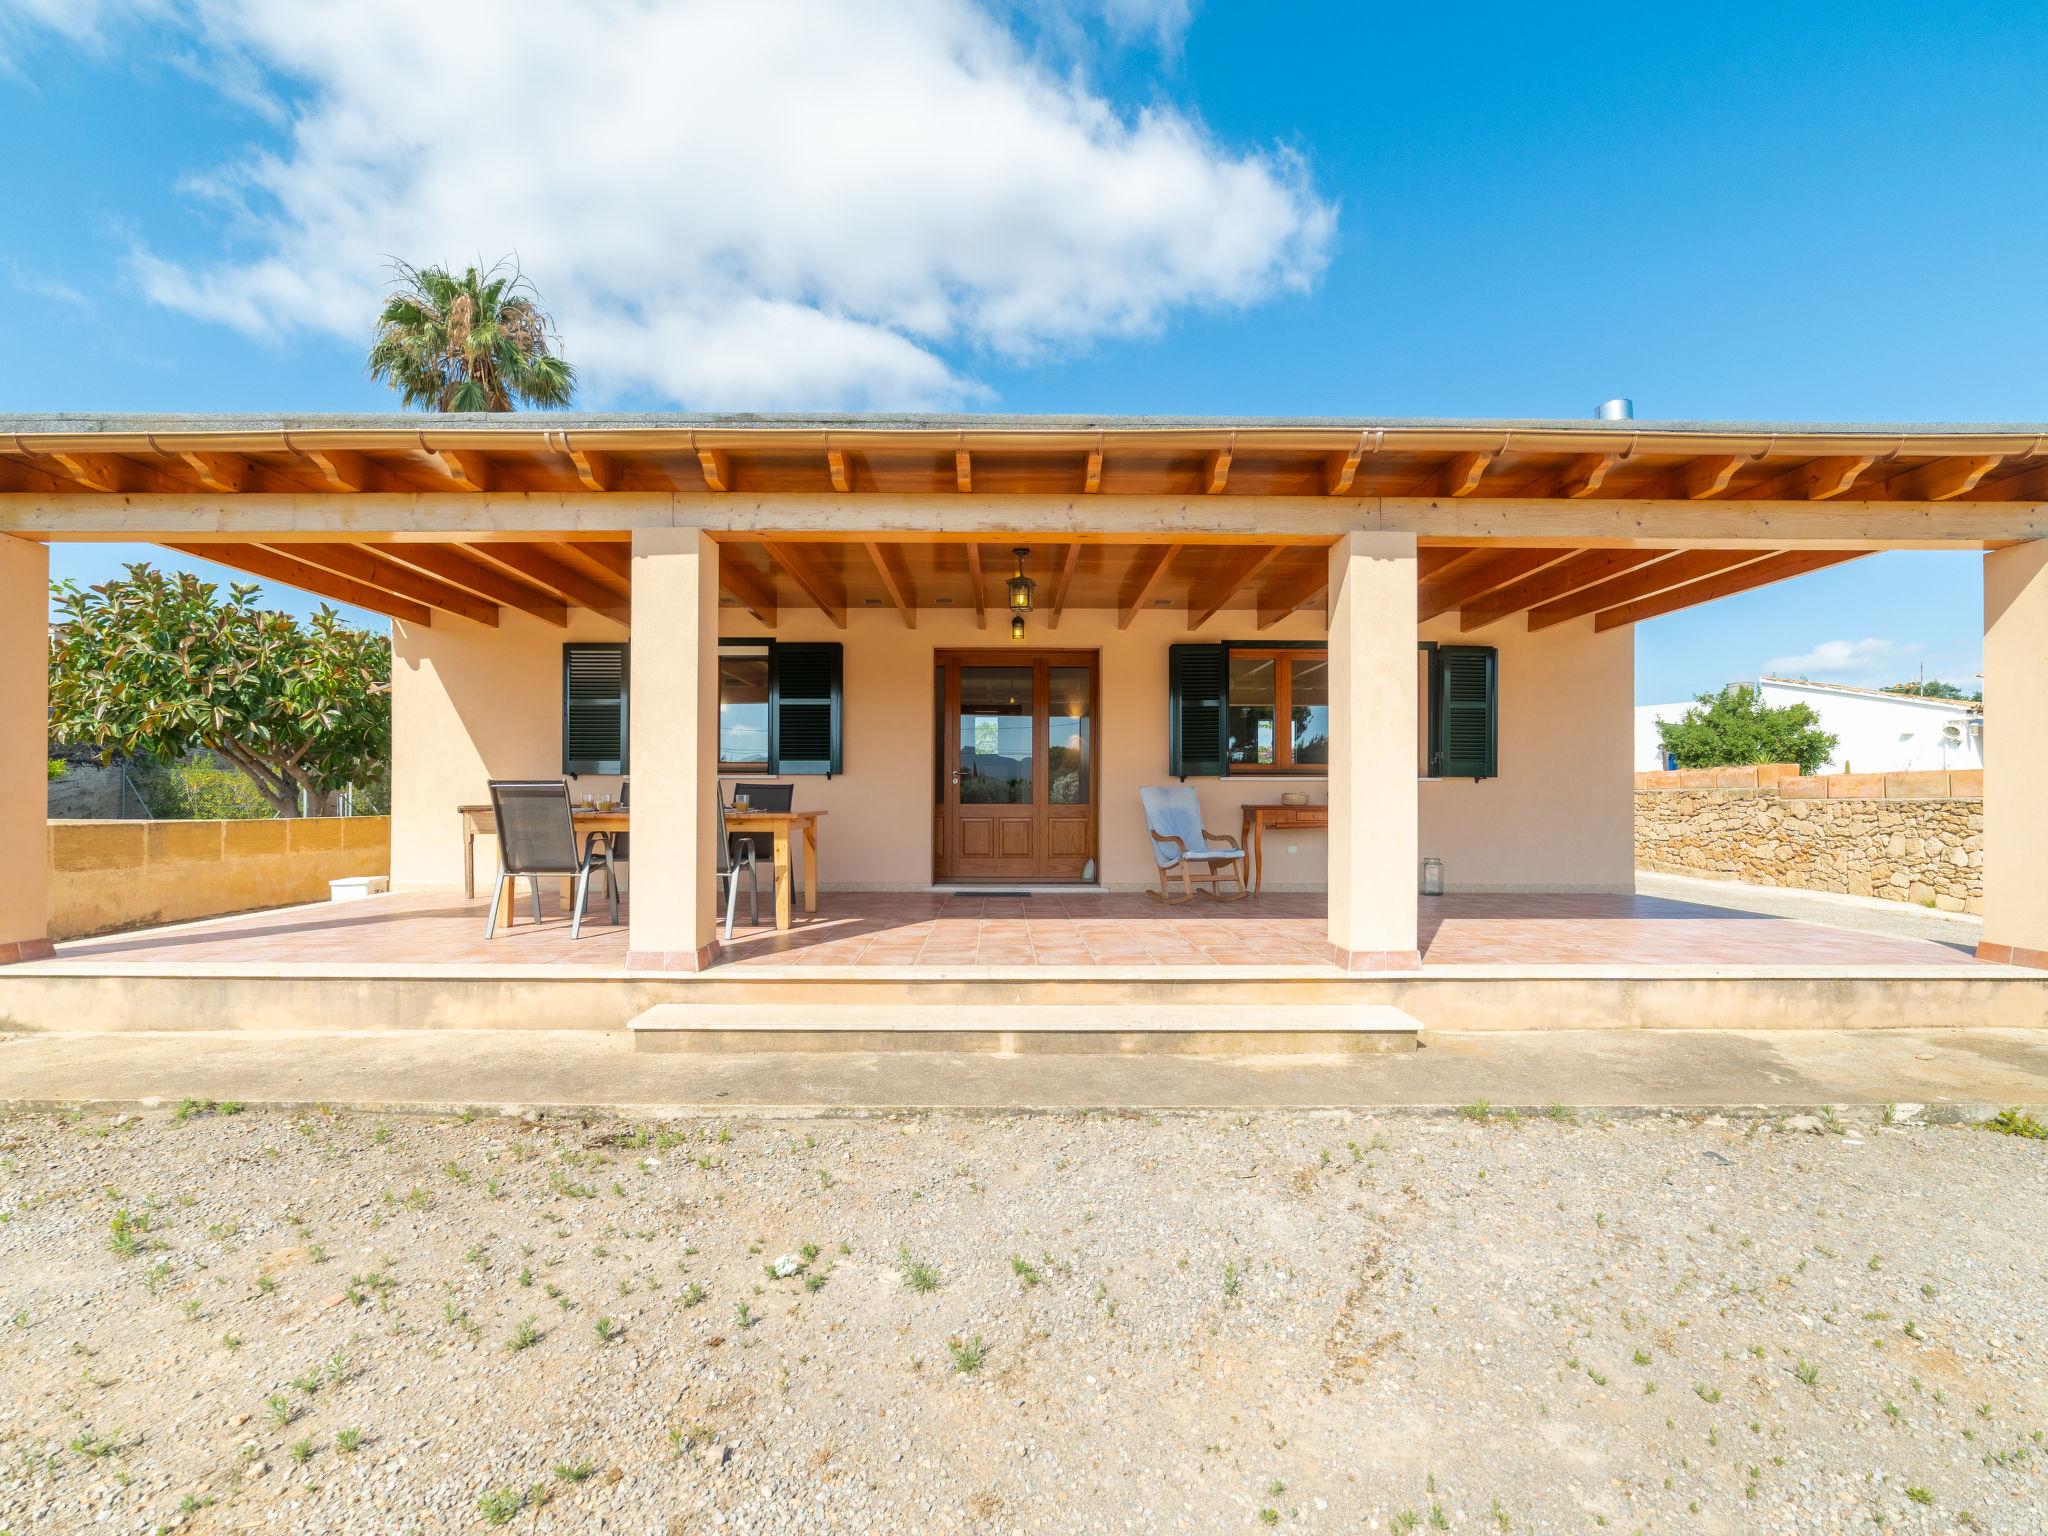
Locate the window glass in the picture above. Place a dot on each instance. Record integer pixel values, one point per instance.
(1309, 709)
(1254, 695)
(743, 709)
(1066, 752)
(996, 736)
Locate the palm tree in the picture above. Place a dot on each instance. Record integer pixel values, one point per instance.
(478, 342)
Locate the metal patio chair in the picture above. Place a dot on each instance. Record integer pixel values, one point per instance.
(735, 858)
(620, 843)
(1182, 846)
(537, 839)
(763, 797)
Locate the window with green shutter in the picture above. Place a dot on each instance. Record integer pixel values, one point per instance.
(594, 696)
(806, 683)
(1464, 697)
(1195, 676)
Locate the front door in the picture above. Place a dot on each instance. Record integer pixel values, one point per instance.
(1016, 777)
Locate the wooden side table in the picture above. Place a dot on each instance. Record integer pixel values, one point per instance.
(1260, 815)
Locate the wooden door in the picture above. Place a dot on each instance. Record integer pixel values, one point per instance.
(1017, 770)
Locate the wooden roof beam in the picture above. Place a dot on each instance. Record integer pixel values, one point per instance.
(840, 463)
(755, 593)
(1578, 476)
(1062, 584)
(1340, 470)
(1658, 576)
(977, 585)
(1943, 480)
(1464, 583)
(532, 562)
(963, 471)
(1091, 481)
(1759, 573)
(470, 470)
(1215, 472)
(21, 475)
(219, 471)
(1151, 569)
(255, 560)
(811, 579)
(614, 558)
(358, 563)
(895, 580)
(1817, 480)
(459, 570)
(1283, 598)
(1433, 559)
(598, 471)
(1242, 571)
(345, 471)
(716, 464)
(1555, 581)
(110, 474)
(1697, 479)
(1460, 475)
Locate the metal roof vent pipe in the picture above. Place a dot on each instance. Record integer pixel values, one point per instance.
(1620, 408)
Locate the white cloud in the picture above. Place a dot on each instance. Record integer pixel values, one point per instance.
(787, 204)
(1850, 661)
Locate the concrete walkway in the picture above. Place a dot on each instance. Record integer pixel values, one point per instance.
(1861, 914)
(1957, 1073)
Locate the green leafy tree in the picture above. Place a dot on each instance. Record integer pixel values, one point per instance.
(155, 664)
(478, 342)
(1735, 727)
(1933, 688)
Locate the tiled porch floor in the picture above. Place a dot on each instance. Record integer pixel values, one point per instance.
(1050, 928)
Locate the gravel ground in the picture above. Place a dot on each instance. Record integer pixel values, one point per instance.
(331, 1323)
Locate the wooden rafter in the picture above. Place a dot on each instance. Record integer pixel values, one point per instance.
(1460, 475)
(534, 563)
(1433, 559)
(614, 557)
(1697, 479)
(1152, 566)
(359, 563)
(888, 561)
(1595, 565)
(1578, 476)
(460, 570)
(255, 560)
(1816, 480)
(1463, 583)
(598, 471)
(1282, 598)
(345, 471)
(1651, 579)
(21, 475)
(755, 593)
(840, 462)
(1340, 470)
(963, 471)
(716, 465)
(1758, 573)
(1062, 584)
(470, 470)
(811, 579)
(1205, 606)
(976, 585)
(1943, 480)
(219, 471)
(1091, 481)
(1215, 472)
(2028, 482)
(109, 473)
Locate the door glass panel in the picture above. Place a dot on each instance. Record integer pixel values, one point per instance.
(743, 709)
(996, 736)
(1254, 694)
(1067, 747)
(1309, 704)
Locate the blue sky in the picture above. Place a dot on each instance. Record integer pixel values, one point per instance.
(1807, 213)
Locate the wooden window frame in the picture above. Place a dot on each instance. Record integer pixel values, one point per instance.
(765, 649)
(1283, 709)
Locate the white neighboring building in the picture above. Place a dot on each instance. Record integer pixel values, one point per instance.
(1876, 732)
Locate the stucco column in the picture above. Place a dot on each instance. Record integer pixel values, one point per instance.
(2016, 755)
(673, 721)
(24, 738)
(1373, 751)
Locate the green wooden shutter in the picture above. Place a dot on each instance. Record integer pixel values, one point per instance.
(1194, 710)
(594, 690)
(806, 689)
(1466, 697)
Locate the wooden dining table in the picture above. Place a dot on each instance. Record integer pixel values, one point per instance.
(787, 830)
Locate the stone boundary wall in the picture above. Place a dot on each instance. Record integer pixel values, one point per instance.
(1909, 837)
(106, 876)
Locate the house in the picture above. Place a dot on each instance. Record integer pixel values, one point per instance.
(1874, 731)
(969, 641)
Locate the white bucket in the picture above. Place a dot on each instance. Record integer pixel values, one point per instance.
(356, 887)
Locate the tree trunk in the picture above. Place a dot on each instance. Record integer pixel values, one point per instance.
(276, 782)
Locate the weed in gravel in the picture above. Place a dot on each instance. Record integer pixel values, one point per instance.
(1919, 1495)
(814, 1281)
(348, 1441)
(607, 1330)
(691, 1294)
(1478, 1111)
(1404, 1522)
(1023, 1270)
(1269, 1516)
(575, 1471)
(968, 1354)
(501, 1504)
(302, 1451)
(525, 1336)
(124, 1233)
(1807, 1374)
(281, 1410)
(2016, 1122)
(94, 1446)
(743, 1315)
(1706, 1393)
(1230, 1280)
(919, 1277)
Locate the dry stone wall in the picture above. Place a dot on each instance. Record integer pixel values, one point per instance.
(1900, 837)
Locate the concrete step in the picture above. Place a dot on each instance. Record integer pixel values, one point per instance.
(1119, 1028)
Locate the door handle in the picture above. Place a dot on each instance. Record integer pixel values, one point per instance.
(956, 775)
